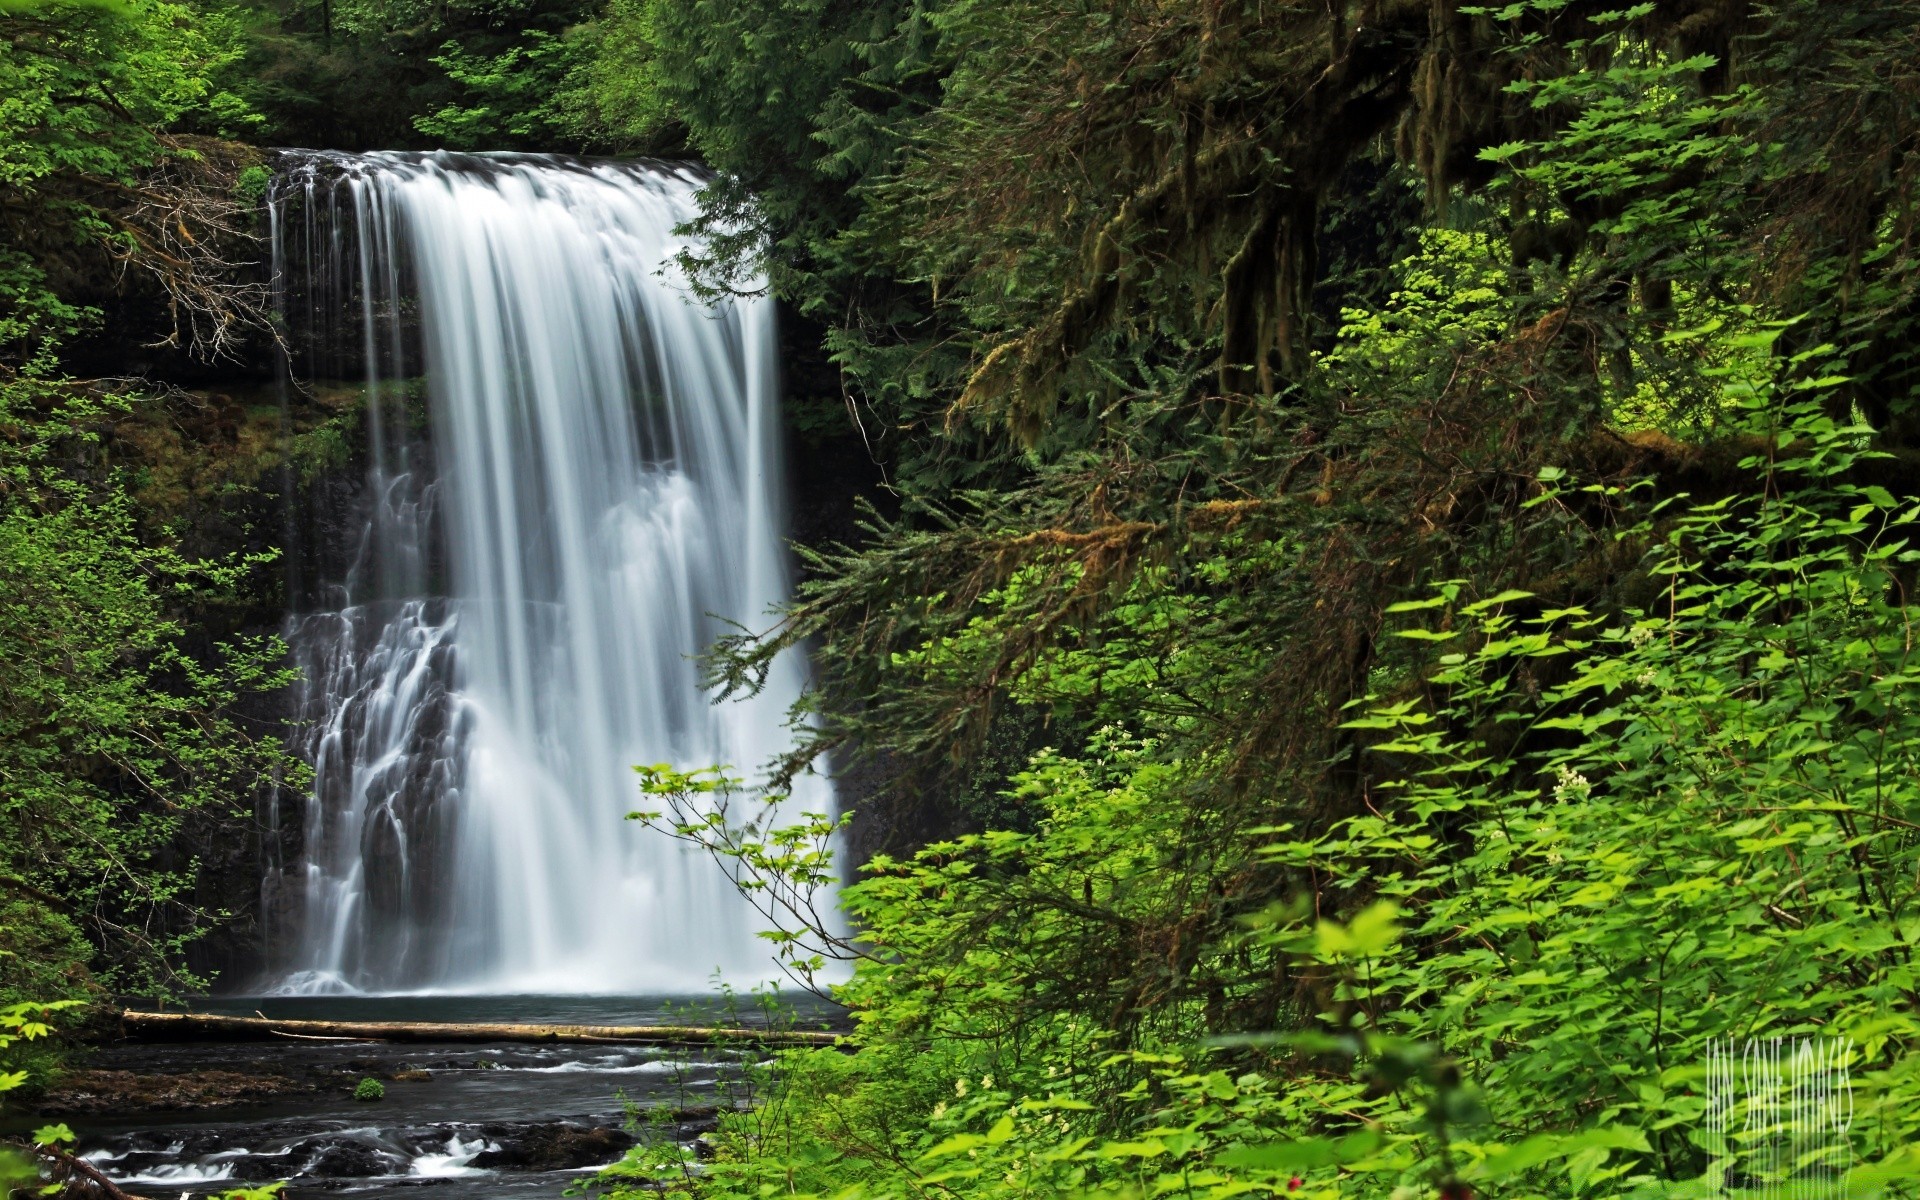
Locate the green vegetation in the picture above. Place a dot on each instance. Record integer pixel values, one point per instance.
(26, 1023)
(111, 735)
(369, 1089)
(118, 733)
(1438, 479)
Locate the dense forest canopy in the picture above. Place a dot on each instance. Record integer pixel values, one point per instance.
(1392, 573)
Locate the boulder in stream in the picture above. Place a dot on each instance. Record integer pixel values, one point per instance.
(553, 1146)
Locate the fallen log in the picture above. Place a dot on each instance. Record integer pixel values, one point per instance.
(211, 1027)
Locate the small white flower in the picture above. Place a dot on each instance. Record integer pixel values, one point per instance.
(959, 1087)
(1573, 785)
(986, 1081)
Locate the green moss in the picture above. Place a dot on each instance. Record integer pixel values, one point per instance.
(251, 184)
(325, 447)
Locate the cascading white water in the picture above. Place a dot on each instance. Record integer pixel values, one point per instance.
(605, 484)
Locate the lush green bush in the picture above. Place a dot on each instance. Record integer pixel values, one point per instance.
(1611, 843)
(112, 737)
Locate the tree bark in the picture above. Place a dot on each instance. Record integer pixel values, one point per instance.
(208, 1027)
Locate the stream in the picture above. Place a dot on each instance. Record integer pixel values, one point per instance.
(467, 1119)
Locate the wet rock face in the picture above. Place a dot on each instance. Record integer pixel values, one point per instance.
(266, 1168)
(353, 1160)
(277, 476)
(559, 1146)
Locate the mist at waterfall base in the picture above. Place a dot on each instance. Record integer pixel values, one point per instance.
(588, 494)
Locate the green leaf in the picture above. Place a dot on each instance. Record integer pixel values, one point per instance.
(1300, 1154)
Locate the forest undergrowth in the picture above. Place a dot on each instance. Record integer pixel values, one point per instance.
(1440, 476)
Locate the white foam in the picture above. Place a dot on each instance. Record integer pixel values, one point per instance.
(313, 983)
(453, 1163)
(661, 1066)
(170, 1174)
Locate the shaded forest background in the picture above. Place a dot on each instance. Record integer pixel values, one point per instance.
(1389, 570)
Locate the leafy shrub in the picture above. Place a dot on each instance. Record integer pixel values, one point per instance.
(1613, 841)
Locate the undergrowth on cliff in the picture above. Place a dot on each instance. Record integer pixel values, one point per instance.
(112, 737)
(117, 730)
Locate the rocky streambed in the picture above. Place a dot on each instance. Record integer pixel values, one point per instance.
(491, 1119)
(467, 1120)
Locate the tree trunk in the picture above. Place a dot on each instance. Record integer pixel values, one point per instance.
(208, 1027)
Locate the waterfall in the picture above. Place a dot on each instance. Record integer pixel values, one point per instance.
(595, 494)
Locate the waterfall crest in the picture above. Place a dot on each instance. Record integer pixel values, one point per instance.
(598, 483)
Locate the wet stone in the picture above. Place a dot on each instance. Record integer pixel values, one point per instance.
(352, 1160)
(265, 1168)
(558, 1146)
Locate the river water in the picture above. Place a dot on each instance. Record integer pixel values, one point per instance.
(495, 1119)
